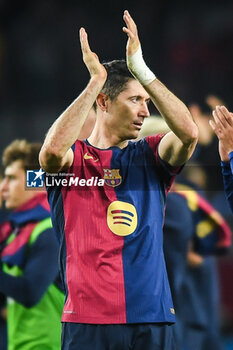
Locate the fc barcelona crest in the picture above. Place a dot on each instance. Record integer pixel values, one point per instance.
(112, 177)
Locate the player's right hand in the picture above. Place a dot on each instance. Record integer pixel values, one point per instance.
(90, 58)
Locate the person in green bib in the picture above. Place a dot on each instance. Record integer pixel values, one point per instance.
(29, 274)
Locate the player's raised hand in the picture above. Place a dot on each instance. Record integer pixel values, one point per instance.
(90, 58)
(133, 42)
(222, 125)
(134, 58)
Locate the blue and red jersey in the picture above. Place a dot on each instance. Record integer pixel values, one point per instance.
(111, 254)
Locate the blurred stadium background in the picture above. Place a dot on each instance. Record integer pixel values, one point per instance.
(188, 44)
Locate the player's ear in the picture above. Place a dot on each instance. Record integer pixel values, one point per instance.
(102, 101)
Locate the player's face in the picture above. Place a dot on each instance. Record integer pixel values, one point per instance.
(13, 186)
(129, 109)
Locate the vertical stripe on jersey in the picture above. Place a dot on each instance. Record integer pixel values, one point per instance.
(146, 289)
(97, 268)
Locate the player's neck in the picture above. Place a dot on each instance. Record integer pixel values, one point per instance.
(103, 139)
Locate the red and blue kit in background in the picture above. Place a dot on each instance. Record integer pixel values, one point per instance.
(111, 254)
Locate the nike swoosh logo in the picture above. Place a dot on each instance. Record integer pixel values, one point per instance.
(87, 156)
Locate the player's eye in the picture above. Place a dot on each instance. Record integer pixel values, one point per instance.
(135, 99)
(10, 177)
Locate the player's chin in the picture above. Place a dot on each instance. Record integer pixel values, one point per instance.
(8, 204)
(134, 134)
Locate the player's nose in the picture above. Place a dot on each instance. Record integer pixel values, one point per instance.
(4, 185)
(144, 111)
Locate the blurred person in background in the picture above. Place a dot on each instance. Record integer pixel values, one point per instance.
(28, 256)
(211, 236)
(206, 155)
(3, 327)
(222, 125)
(177, 230)
(190, 245)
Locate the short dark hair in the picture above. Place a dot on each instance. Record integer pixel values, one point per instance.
(118, 76)
(27, 153)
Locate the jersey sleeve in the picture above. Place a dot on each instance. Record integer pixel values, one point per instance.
(78, 150)
(166, 172)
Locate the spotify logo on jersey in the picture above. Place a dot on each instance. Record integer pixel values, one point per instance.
(122, 218)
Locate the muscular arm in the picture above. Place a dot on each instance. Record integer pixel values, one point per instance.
(56, 153)
(178, 145)
(40, 271)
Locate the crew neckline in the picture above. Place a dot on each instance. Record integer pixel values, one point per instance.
(106, 149)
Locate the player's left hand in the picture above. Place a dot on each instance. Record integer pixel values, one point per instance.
(133, 42)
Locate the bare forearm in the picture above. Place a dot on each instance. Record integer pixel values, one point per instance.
(177, 146)
(54, 154)
(66, 129)
(173, 110)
